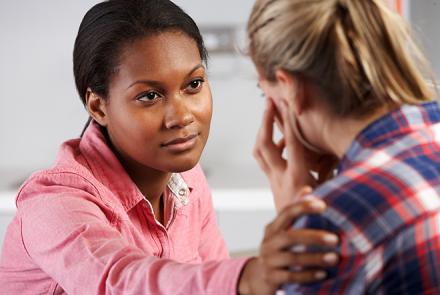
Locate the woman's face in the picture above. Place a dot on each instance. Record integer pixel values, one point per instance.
(159, 108)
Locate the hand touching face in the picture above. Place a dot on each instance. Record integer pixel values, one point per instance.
(287, 174)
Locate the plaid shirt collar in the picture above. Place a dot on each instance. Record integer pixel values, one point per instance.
(389, 127)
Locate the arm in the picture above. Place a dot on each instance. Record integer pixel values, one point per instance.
(70, 239)
(265, 273)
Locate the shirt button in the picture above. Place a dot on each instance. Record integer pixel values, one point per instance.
(182, 192)
(184, 201)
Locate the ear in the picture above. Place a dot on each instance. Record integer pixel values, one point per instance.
(293, 90)
(96, 107)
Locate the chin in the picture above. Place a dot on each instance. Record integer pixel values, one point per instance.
(183, 167)
(182, 164)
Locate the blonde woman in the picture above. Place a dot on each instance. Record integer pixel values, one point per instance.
(345, 79)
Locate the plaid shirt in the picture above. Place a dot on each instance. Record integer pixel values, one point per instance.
(385, 205)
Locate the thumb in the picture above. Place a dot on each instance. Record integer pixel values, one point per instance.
(305, 190)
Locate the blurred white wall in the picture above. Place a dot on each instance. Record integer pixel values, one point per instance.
(425, 21)
(39, 107)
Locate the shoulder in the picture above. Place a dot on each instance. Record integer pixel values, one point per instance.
(58, 184)
(69, 173)
(371, 206)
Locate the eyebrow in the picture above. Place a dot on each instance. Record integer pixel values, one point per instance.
(158, 83)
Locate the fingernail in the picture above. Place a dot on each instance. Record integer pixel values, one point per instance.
(298, 249)
(320, 275)
(330, 239)
(305, 191)
(317, 204)
(330, 258)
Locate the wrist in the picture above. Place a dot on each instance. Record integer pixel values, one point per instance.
(244, 281)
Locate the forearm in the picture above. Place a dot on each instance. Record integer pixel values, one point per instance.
(163, 276)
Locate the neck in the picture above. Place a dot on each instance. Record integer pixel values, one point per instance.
(152, 183)
(338, 134)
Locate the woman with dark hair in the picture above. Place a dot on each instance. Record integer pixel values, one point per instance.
(126, 209)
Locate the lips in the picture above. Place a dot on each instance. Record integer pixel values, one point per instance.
(180, 140)
(180, 144)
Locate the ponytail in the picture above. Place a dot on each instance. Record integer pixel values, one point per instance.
(359, 52)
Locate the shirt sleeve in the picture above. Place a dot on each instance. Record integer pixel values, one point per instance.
(69, 237)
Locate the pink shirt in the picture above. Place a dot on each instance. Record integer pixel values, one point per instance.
(83, 227)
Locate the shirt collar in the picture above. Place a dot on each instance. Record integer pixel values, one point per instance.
(108, 170)
(391, 126)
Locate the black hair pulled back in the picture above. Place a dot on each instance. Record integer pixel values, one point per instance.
(111, 25)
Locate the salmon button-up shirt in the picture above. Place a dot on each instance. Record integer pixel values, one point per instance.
(83, 227)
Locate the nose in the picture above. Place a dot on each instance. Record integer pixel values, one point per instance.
(178, 114)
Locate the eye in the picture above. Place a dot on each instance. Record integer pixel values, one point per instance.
(195, 85)
(149, 96)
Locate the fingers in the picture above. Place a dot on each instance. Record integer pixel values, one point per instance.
(289, 249)
(298, 162)
(302, 260)
(288, 132)
(292, 211)
(279, 122)
(309, 237)
(266, 130)
(278, 277)
(281, 144)
(305, 190)
(267, 153)
(283, 254)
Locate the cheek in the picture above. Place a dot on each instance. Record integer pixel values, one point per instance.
(203, 110)
(132, 128)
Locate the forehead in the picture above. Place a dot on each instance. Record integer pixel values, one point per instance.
(159, 54)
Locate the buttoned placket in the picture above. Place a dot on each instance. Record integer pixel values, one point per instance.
(160, 232)
(181, 198)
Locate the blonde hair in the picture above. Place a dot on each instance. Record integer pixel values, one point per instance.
(358, 52)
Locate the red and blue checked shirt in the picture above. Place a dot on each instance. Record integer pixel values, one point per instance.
(385, 205)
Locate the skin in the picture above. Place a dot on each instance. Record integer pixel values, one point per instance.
(291, 98)
(267, 272)
(160, 94)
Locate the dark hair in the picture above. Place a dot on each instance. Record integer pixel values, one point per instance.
(110, 25)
